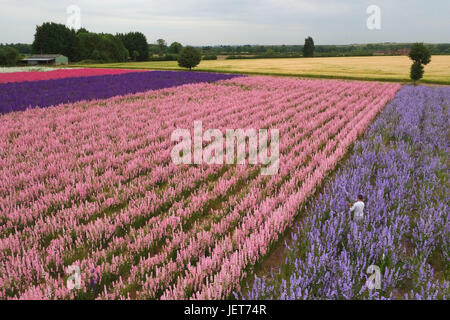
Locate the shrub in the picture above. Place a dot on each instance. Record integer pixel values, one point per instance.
(416, 71)
(210, 57)
(8, 56)
(308, 48)
(420, 55)
(189, 57)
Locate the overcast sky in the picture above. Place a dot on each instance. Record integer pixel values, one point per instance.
(213, 22)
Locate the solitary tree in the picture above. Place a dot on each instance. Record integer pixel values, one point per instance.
(420, 55)
(308, 48)
(189, 57)
(416, 71)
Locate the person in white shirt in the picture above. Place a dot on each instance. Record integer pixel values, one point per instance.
(357, 209)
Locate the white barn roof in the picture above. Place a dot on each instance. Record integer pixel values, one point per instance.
(42, 57)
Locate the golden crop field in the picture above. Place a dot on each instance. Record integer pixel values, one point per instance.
(385, 68)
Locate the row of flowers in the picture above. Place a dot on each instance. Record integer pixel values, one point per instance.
(19, 96)
(101, 193)
(30, 69)
(401, 168)
(22, 76)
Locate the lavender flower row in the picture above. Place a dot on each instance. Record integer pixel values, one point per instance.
(20, 96)
(401, 167)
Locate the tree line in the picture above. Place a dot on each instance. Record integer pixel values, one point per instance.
(86, 46)
(160, 50)
(280, 51)
(83, 45)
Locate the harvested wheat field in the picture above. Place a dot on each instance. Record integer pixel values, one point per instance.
(384, 68)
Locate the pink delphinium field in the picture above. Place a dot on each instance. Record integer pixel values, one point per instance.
(92, 184)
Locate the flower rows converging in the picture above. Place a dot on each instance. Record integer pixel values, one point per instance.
(18, 96)
(91, 184)
(58, 74)
(401, 166)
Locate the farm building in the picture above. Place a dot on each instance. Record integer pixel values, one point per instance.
(51, 59)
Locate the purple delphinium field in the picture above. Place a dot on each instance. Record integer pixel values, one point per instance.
(400, 166)
(22, 95)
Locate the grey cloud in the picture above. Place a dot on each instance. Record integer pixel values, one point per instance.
(202, 22)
